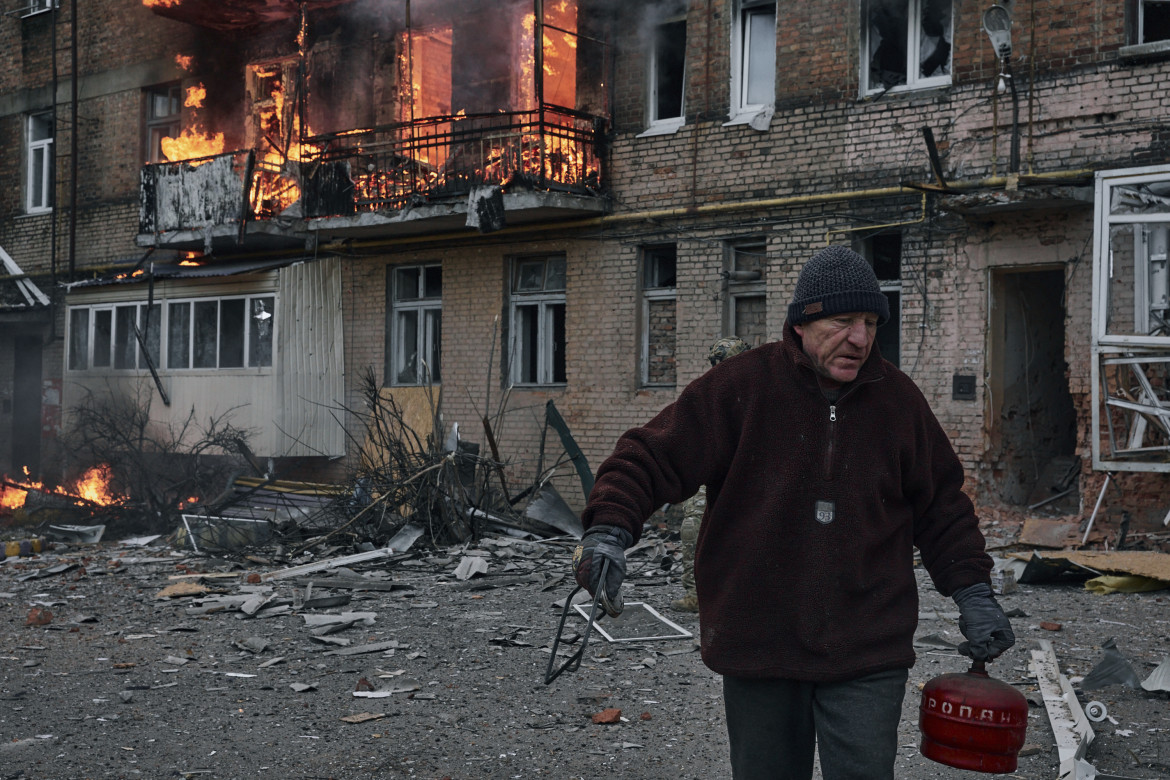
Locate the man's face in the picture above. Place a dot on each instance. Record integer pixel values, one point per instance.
(839, 344)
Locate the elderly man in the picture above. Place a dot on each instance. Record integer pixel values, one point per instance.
(825, 467)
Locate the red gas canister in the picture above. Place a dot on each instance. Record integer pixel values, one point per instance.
(971, 721)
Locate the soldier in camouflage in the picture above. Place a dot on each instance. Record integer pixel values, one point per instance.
(694, 507)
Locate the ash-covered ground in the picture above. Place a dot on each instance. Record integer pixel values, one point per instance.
(124, 661)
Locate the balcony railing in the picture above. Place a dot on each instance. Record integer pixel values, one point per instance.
(391, 167)
(386, 168)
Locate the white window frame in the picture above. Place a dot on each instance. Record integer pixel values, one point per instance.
(655, 289)
(117, 339)
(428, 314)
(1140, 22)
(746, 13)
(261, 319)
(914, 81)
(661, 125)
(548, 299)
(35, 7)
(39, 159)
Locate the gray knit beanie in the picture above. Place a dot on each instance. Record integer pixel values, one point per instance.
(836, 280)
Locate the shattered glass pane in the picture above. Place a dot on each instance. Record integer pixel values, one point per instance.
(1138, 296)
(1148, 198)
(934, 49)
(887, 43)
(260, 329)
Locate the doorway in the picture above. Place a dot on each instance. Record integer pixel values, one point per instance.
(26, 406)
(1032, 418)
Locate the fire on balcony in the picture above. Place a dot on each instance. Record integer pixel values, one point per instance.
(504, 93)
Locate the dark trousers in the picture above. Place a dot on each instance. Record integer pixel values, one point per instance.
(775, 725)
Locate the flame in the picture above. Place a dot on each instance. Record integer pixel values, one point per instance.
(275, 183)
(93, 486)
(195, 96)
(161, 3)
(183, 61)
(191, 144)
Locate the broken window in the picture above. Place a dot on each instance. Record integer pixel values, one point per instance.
(658, 315)
(746, 310)
(1131, 320)
(537, 324)
(668, 72)
(39, 163)
(1153, 22)
(884, 252)
(104, 337)
(221, 332)
(163, 109)
(906, 44)
(415, 322)
(754, 47)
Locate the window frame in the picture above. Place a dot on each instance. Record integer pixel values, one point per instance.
(166, 126)
(741, 60)
(656, 124)
(655, 289)
(738, 287)
(914, 81)
(428, 336)
(547, 341)
(116, 340)
(41, 148)
(246, 335)
(37, 7)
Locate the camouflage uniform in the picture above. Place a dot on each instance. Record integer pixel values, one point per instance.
(694, 507)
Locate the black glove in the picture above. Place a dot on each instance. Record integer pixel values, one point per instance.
(603, 543)
(983, 623)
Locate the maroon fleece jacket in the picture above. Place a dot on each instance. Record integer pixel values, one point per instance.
(805, 556)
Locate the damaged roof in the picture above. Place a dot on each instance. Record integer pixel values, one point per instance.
(17, 291)
(182, 271)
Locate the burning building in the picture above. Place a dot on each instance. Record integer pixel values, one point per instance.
(568, 200)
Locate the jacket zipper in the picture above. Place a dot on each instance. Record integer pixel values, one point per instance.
(832, 438)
